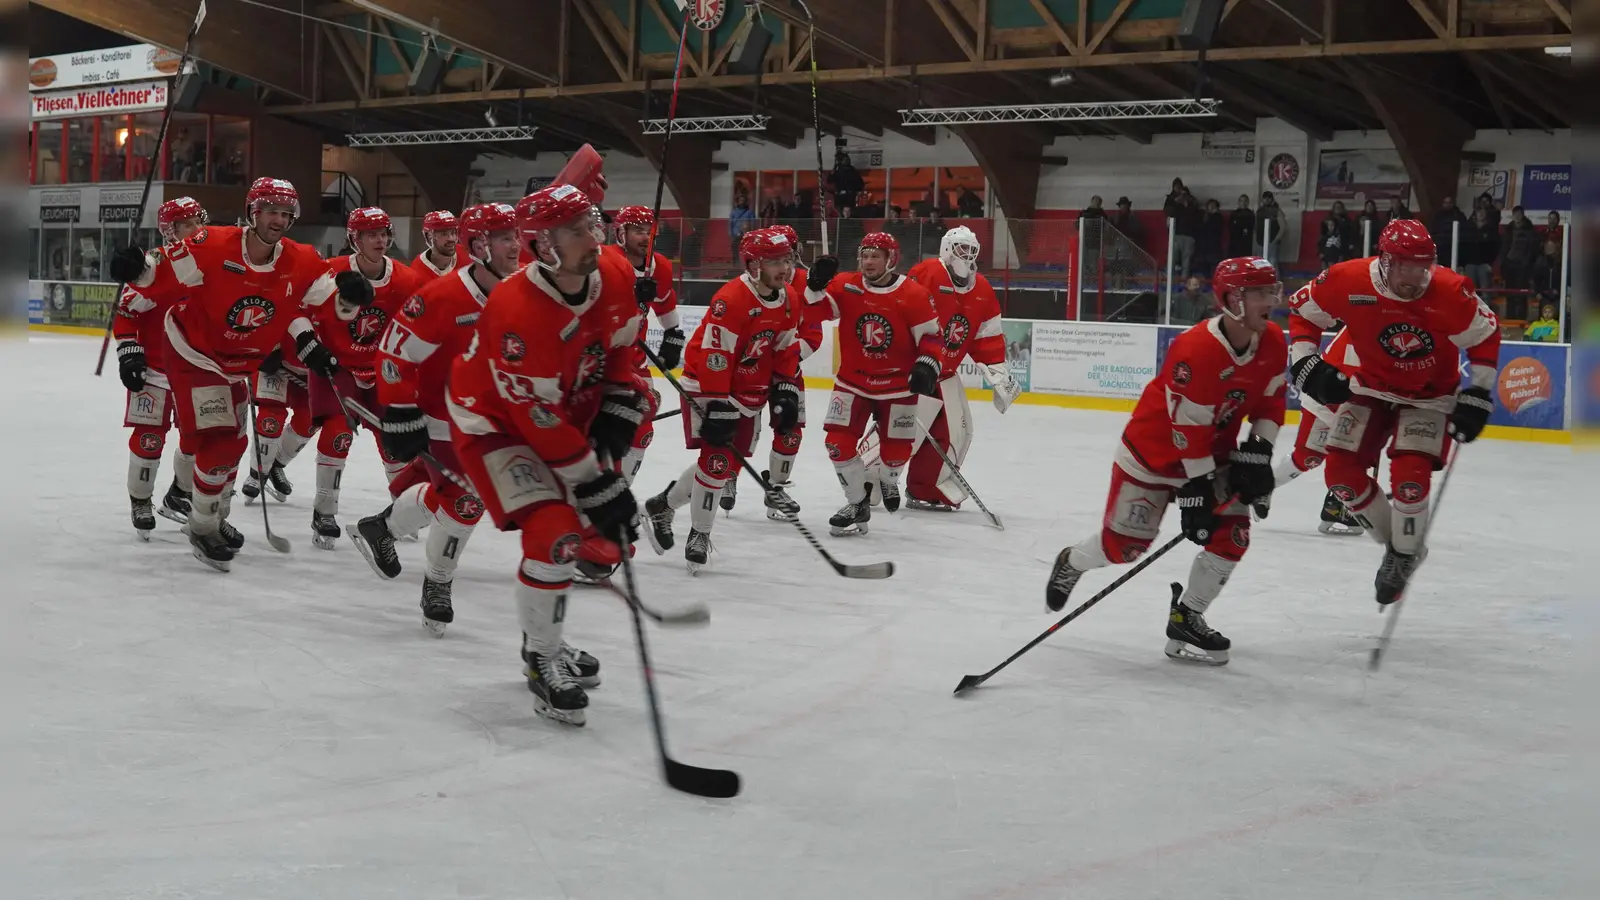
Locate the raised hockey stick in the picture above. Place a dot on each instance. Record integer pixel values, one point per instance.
(955, 472)
(1382, 647)
(816, 124)
(848, 570)
(280, 544)
(149, 177)
(666, 141)
(668, 414)
(719, 783)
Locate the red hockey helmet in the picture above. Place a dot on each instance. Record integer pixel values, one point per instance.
(265, 192)
(553, 207)
(638, 216)
(367, 218)
(483, 220)
(882, 240)
(440, 220)
(789, 232)
(764, 244)
(1406, 256)
(1237, 277)
(180, 209)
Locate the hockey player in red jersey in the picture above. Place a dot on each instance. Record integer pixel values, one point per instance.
(139, 326)
(744, 356)
(1393, 375)
(239, 288)
(347, 310)
(655, 293)
(1183, 442)
(890, 350)
(424, 338)
(543, 406)
(440, 235)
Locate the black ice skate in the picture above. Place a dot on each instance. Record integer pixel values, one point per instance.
(176, 504)
(1190, 639)
(928, 505)
(278, 483)
(658, 516)
(230, 536)
(852, 518)
(325, 531)
(376, 545)
(730, 494)
(1262, 506)
(890, 489)
(581, 666)
(592, 573)
(1338, 520)
(436, 609)
(212, 550)
(1063, 578)
(555, 694)
(780, 506)
(251, 489)
(144, 517)
(1394, 573)
(697, 551)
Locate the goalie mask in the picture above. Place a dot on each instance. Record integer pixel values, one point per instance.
(958, 250)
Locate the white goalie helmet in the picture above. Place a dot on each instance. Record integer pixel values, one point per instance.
(958, 250)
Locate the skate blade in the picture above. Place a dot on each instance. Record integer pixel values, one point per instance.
(778, 516)
(855, 530)
(1337, 530)
(144, 533)
(1182, 652)
(172, 515)
(219, 565)
(323, 542)
(436, 629)
(694, 567)
(573, 717)
(280, 497)
(363, 548)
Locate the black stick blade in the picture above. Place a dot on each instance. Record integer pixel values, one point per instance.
(868, 571)
(968, 682)
(715, 783)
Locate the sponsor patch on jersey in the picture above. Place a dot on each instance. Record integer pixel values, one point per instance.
(854, 289)
(956, 332)
(1225, 374)
(367, 325)
(512, 347)
(1129, 554)
(570, 330)
(904, 421)
(789, 440)
(716, 362)
(1362, 300)
(717, 465)
(719, 308)
(543, 417)
(1421, 430)
(468, 508)
(414, 307)
(1179, 441)
(1409, 492)
(249, 313)
(390, 372)
(1322, 277)
(468, 319)
(1181, 373)
(875, 333)
(235, 267)
(565, 549)
(1403, 340)
(946, 289)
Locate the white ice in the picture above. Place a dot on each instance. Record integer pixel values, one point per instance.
(289, 731)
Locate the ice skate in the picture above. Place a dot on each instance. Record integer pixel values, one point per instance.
(929, 505)
(231, 536)
(436, 610)
(780, 506)
(697, 551)
(176, 504)
(1190, 639)
(582, 667)
(658, 519)
(890, 489)
(376, 544)
(1394, 573)
(730, 494)
(212, 550)
(1261, 507)
(278, 483)
(852, 518)
(555, 694)
(251, 489)
(325, 531)
(592, 573)
(1338, 520)
(1063, 578)
(144, 517)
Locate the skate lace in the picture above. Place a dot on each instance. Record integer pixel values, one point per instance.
(778, 498)
(553, 672)
(433, 593)
(700, 540)
(226, 530)
(1065, 577)
(1196, 622)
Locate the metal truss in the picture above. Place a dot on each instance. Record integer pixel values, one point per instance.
(442, 136)
(1059, 112)
(689, 124)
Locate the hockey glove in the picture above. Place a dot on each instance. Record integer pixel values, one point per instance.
(1473, 406)
(644, 291)
(354, 288)
(403, 433)
(787, 405)
(130, 365)
(1250, 470)
(672, 341)
(1315, 378)
(822, 272)
(1006, 389)
(925, 377)
(609, 506)
(1197, 501)
(127, 265)
(719, 423)
(613, 429)
(272, 363)
(314, 355)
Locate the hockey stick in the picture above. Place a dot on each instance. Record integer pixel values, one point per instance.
(280, 544)
(816, 124)
(1394, 613)
(719, 783)
(955, 472)
(666, 141)
(848, 570)
(668, 414)
(149, 178)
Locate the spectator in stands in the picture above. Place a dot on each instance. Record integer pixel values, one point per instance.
(847, 183)
(1185, 232)
(1552, 227)
(1520, 251)
(1213, 234)
(1330, 243)
(1443, 226)
(1347, 230)
(1546, 328)
(969, 205)
(1368, 226)
(1174, 197)
(1241, 228)
(771, 211)
(741, 219)
(1486, 201)
(933, 230)
(1126, 222)
(1480, 247)
(1269, 237)
(1190, 305)
(1397, 210)
(1095, 209)
(1546, 280)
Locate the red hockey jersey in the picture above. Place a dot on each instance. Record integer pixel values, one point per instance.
(538, 367)
(812, 315)
(1187, 420)
(423, 339)
(665, 306)
(882, 332)
(143, 321)
(427, 273)
(1400, 350)
(351, 332)
(969, 320)
(744, 344)
(228, 313)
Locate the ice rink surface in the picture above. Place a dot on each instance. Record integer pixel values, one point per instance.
(290, 732)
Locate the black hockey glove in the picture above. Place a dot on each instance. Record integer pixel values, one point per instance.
(314, 355)
(1473, 406)
(822, 272)
(672, 341)
(720, 423)
(1197, 504)
(1317, 379)
(613, 429)
(272, 363)
(130, 365)
(609, 506)
(644, 291)
(787, 404)
(403, 433)
(127, 264)
(1250, 470)
(925, 377)
(354, 288)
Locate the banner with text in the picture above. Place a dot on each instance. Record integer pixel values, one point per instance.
(1092, 359)
(77, 303)
(101, 101)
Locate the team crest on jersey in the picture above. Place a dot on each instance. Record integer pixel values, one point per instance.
(249, 313)
(1344, 492)
(757, 348)
(718, 465)
(390, 372)
(716, 362)
(719, 308)
(1409, 492)
(149, 442)
(1230, 405)
(789, 440)
(468, 508)
(1241, 536)
(414, 307)
(591, 366)
(1321, 278)
(875, 333)
(1182, 374)
(543, 417)
(367, 325)
(512, 347)
(199, 237)
(646, 439)
(565, 550)
(270, 426)
(955, 333)
(1179, 441)
(342, 442)
(1402, 340)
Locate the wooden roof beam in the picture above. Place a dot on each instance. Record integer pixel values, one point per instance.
(1228, 84)
(1496, 101)
(482, 30)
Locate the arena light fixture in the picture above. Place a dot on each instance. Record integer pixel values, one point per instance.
(704, 124)
(443, 136)
(1559, 51)
(1060, 112)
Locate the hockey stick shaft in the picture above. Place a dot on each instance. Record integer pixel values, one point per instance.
(280, 544)
(668, 414)
(666, 142)
(149, 179)
(816, 124)
(1389, 624)
(955, 472)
